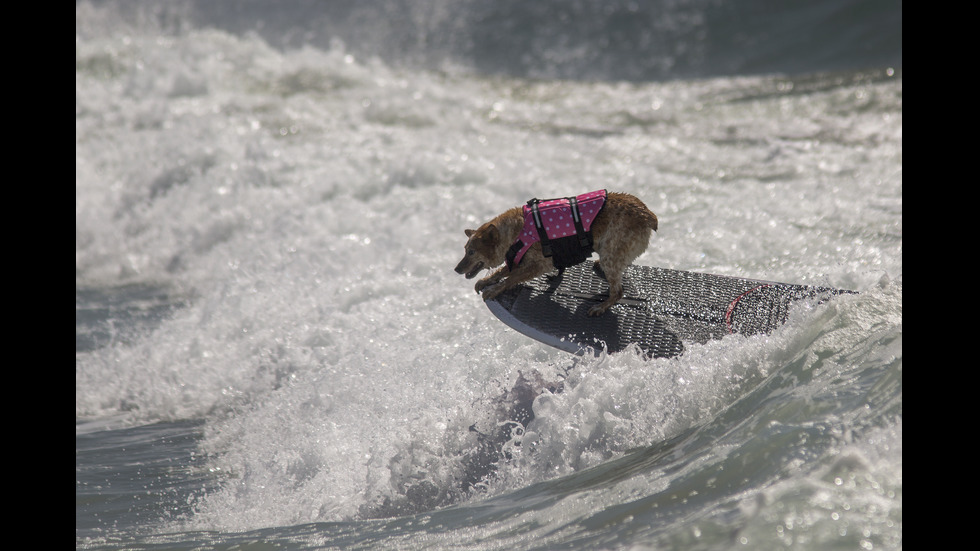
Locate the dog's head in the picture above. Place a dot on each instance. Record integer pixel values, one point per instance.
(481, 250)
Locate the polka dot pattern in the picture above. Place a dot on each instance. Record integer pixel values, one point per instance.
(556, 216)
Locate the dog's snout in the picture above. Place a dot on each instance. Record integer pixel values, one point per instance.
(469, 267)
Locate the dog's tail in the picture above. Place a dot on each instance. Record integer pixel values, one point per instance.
(651, 220)
(635, 210)
(647, 217)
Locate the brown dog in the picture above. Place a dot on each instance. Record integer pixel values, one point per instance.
(620, 233)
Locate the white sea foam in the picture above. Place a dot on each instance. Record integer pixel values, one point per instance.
(309, 206)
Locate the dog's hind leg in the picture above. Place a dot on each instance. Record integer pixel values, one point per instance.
(615, 280)
(615, 255)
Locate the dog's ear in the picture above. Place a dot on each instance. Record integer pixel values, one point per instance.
(492, 233)
(469, 232)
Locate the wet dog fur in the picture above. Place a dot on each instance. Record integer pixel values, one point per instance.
(620, 233)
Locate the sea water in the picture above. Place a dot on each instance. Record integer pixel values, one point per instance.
(274, 352)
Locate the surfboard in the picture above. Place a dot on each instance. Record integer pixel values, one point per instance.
(662, 310)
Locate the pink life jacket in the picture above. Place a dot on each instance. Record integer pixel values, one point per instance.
(563, 226)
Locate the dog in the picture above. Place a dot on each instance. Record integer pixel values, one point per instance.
(619, 233)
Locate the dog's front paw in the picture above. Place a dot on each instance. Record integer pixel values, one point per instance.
(481, 284)
(493, 291)
(597, 310)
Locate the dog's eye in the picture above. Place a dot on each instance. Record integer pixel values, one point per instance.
(470, 252)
